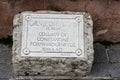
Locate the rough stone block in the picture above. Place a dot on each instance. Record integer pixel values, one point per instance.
(6, 71)
(52, 66)
(3, 50)
(100, 53)
(114, 53)
(100, 70)
(5, 54)
(105, 70)
(114, 70)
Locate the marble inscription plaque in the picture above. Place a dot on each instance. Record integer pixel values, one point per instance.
(52, 35)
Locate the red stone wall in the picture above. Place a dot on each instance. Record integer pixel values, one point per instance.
(105, 13)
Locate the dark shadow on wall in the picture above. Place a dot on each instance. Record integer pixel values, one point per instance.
(7, 41)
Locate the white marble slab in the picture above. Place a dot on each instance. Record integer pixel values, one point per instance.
(52, 35)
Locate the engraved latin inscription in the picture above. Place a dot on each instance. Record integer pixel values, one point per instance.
(52, 35)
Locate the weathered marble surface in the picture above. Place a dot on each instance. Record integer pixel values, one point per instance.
(52, 66)
(52, 35)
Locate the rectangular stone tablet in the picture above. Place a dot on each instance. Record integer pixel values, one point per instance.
(52, 35)
(51, 43)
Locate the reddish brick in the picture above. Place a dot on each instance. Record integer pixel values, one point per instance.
(6, 18)
(29, 5)
(106, 14)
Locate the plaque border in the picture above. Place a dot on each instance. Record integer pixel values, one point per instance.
(26, 51)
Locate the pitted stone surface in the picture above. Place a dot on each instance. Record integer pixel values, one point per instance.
(57, 66)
